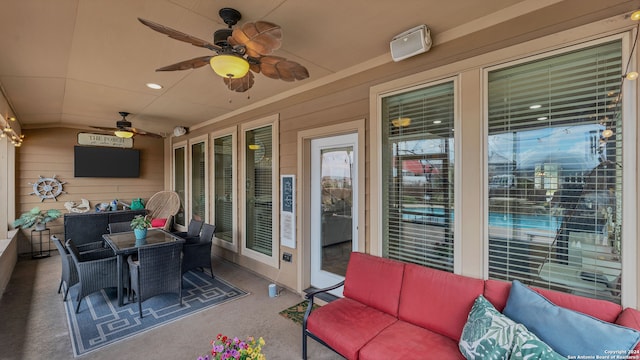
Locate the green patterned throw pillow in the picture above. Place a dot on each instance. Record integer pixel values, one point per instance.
(488, 334)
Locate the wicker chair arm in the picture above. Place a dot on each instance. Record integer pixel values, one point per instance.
(98, 245)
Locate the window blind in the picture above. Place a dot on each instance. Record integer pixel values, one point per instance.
(179, 182)
(223, 187)
(259, 190)
(198, 202)
(555, 181)
(417, 166)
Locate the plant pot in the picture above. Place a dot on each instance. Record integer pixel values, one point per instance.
(40, 226)
(140, 233)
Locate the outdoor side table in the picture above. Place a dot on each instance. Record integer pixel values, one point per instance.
(41, 253)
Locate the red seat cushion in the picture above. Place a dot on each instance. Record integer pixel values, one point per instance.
(374, 281)
(406, 341)
(437, 300)
(346, 325)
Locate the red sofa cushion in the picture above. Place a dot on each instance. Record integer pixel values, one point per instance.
(599, 309)
(630, 318)
(437, 300)
(406, 341)
(374, 281)
(497, 292)
(346, 325)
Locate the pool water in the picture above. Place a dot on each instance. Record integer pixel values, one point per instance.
(435, 216)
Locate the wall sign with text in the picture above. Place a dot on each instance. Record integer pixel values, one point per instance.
(288, 211)
(104, 140)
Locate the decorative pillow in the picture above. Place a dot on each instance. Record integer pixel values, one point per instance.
(568, 332)
(527, 346)
(158, 223)
(488, 334)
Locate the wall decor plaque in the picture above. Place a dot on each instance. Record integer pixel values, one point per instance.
(104, 140)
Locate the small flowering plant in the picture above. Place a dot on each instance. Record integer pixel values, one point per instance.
(223, 348)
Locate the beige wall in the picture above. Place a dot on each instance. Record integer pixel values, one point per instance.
(355, 97)
(471, 254)
(49, 152)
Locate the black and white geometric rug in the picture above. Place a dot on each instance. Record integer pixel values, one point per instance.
(102, 322)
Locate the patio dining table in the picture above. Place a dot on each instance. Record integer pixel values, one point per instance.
(125, 244)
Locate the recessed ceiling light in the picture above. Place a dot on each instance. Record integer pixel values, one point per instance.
(543, 118)
(154, 86)
(535, 106)
(437, 121)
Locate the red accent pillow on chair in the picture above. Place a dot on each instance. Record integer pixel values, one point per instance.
(158, 223)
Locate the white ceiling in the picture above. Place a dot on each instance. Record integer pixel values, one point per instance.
(80, 62)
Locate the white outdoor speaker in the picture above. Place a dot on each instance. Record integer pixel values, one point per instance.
(411, 42)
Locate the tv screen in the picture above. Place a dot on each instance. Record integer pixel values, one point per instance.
(106, 162)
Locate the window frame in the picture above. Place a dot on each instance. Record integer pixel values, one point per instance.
(185, 205)
(629, 158)
(272, 121)
(233, 132)
(377, 246)
(204, 139)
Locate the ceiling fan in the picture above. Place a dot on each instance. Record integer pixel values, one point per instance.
(237, 51)
(124, 129)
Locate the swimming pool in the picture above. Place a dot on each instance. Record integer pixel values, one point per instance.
(435, 216)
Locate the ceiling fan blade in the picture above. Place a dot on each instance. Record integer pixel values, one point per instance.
(178, 35)
(145, 133)
(241, 84)
(279, 68)
(103, 128)
(260, 38)
(187, 64)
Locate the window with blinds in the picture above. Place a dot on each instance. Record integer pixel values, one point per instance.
(259, 185)
(223, 187)
(554, 173)
(179, 162)
(417, 176)
(198, 181)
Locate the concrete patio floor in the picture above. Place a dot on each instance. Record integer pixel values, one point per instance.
(33, 323)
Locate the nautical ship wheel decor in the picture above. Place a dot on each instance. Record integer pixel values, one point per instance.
(48, 188)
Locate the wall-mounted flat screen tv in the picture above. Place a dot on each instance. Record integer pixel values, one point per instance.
(94, 161)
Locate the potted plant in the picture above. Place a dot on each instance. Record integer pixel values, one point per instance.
(36, 217)
(139, 225)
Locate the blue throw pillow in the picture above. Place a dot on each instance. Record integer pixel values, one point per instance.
(568, 332)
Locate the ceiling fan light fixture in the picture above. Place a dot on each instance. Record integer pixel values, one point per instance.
(229, 66)
(401, 122)
(123, 134)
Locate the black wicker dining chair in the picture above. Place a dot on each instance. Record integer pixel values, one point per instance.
(193, 230)
(69, 273)
(119, 227)
(197, 253)
(97, 270)
(157, 271)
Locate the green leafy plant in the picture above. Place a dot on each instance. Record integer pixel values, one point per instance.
(140, 222)
(36, 216)
(223, 348)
